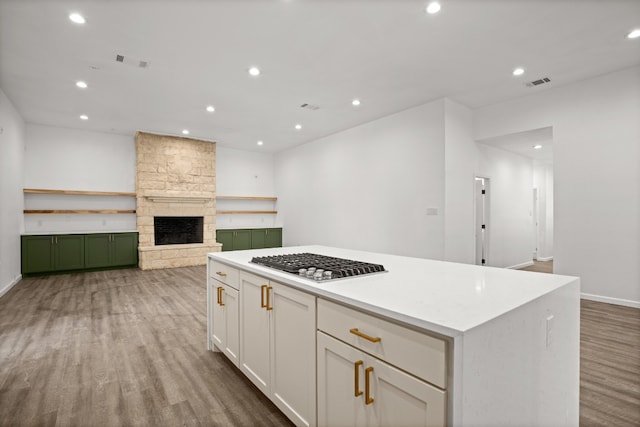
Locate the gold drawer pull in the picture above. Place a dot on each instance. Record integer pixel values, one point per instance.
(356, 381)
(221, 274)
(262, 303)
(367, 386)
(355, 331)
(269, 307)
(220, 290)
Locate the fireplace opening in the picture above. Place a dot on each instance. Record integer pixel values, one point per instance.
(175, 230)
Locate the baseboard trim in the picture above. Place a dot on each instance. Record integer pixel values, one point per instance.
(10, 285)
(548, 258)
(523, 265)
(610, 300)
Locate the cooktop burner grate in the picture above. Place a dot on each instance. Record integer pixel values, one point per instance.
(318, 267)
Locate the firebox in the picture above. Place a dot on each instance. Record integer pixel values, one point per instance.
(175, 230)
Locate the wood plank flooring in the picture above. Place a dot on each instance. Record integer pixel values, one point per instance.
(127, 347)
(120, 347)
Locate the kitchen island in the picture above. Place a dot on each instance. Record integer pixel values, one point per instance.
(424, 343)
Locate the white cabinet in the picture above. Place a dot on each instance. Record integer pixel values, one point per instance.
(358, 384)
(277, 345)
(224, 308)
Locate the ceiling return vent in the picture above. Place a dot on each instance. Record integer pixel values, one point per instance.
(309, 106)
(538, 82)
(132, 61)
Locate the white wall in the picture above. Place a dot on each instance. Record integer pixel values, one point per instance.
(596, 176)
(543, 182)
(460, 165)
(510, 206)
(369, 187)
(11, 200)
(245, 173)
(72, 159)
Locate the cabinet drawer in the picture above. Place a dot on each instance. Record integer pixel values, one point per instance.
(419, 354)
(223, 273)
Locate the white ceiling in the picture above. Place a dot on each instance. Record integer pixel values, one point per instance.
(388, 53)
(522, 143)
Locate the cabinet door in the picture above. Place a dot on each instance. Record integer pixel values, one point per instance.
(293, 353)
(273, 238)
(258, 238)
(254, 330)
(242, 240)
(226, 238)
(68, 252)
(225, 305)
(400, 399)
(396, 398)
(37, 254)
(340, 384)
(124, 249)
(97, 250)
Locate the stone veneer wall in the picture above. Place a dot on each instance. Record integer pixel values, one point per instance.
(174, 177)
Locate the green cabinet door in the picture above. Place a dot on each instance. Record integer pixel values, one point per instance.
(226, 238)
(273, 238)
(124, 249)
(242, 240)
(68, 253)
(97, 250)
(258, 238)
(37, 254)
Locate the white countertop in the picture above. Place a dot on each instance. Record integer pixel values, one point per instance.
(57, 233)
(443, 297)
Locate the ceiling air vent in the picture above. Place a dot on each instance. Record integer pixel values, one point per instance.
(309, 106)
(538, 82)
(132, 61)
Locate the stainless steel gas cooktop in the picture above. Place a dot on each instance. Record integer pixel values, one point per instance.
(318, 267)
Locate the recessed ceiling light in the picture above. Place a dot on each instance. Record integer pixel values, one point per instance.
(211, 108)
(185, 131)
(77, 18)
(260, 142)
(433, 7)
(81, 84)
(298, 126)
(518, 71)
(355, 102)
(537, 147)
(254, 71)
(84, 117)
(634, 34)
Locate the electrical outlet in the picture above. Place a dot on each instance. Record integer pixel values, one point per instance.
(549, 336)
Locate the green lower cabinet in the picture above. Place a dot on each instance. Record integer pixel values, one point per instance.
(72, 252)
(111, 250)
(68, 252)
(37, 254)
(255, 238)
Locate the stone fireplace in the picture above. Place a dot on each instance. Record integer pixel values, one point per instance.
(175, 178)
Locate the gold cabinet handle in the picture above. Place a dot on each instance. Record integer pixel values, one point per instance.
(367, 386)
(356, 378)
(220, 291)
(221, 274)
(262, 288)
(355, 331)
(269, 307)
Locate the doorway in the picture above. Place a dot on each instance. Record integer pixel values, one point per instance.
(482, 219)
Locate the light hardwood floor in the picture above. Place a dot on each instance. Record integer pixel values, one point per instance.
(127, 347)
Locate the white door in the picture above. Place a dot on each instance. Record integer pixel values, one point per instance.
(293, 353)
(218, 335)
(254, 330)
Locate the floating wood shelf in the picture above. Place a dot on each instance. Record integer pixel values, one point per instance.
(247, 212)
(77, 211)
(271, 199)
(78, 192)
